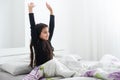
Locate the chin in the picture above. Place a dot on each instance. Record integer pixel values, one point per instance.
(45, 39)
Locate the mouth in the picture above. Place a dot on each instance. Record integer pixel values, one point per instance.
(46, 38)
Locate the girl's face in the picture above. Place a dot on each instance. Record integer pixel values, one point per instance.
(44, 34)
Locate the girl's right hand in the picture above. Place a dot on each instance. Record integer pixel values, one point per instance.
(30, 7)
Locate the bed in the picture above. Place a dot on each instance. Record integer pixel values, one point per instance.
(5, 75)
(17, 70)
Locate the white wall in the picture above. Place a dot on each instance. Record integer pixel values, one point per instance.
(80, 37)
(18, 23)
(95, 28)
(12, 24)
(5, 21)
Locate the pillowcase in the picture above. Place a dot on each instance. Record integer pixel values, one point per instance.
(16, 68)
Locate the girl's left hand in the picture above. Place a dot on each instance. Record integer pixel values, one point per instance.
(49, 8)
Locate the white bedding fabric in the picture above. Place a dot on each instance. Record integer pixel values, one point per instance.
(73, 62)
(19, 64)
(69, 64)
(6, 76)
(85, 64)
(79, 68)
(80, 78)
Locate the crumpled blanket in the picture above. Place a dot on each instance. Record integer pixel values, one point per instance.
(108, 68)
(49, 69)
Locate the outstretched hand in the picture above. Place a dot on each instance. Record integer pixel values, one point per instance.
(31, 6)
(49, 8)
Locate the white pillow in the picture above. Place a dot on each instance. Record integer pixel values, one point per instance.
(16, 68)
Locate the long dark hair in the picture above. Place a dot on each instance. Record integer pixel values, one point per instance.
(46, 47)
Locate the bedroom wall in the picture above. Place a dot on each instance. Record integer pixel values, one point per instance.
(89, 28)
(94, 26)
(4, 43)
(18, 23)
(12, 24)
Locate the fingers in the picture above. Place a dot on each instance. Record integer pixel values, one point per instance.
(31, 5)
(49, 8)
(47, 4)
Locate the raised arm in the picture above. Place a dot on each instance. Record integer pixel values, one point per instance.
(52, 21)
(32, 23)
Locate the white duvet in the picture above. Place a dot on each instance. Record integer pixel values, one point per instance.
(73, 70)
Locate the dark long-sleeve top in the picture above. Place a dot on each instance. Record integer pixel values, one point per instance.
(40, 56)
